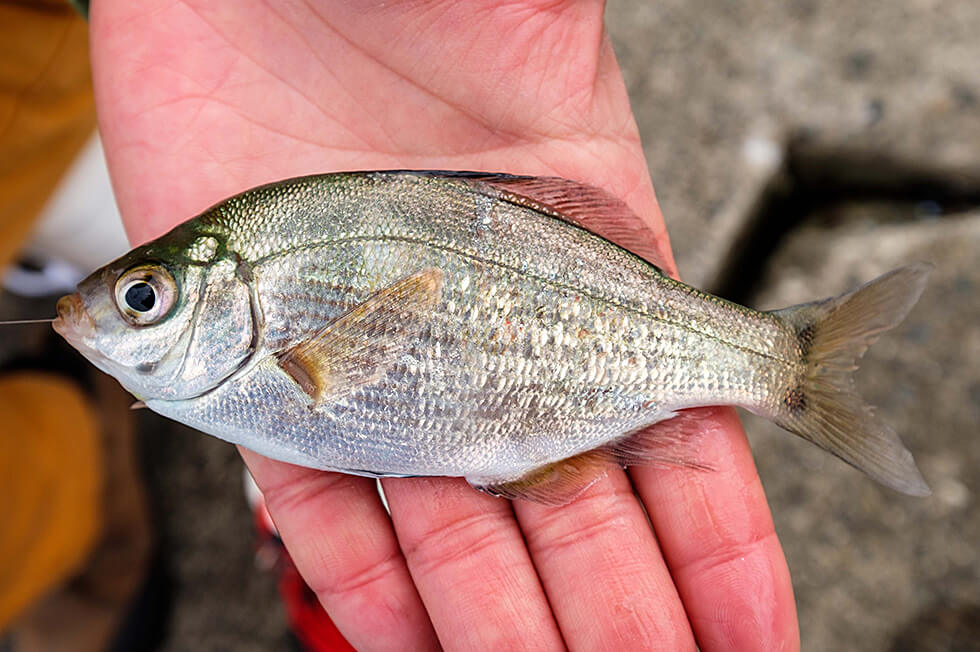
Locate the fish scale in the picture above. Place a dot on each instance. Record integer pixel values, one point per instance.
(433, 323)
(517, 435)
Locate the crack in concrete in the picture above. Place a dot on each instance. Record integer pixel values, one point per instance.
(814, 178)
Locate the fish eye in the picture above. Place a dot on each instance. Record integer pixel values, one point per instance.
(140, 296)
(145, 294)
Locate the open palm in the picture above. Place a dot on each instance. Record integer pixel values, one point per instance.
(198, 101)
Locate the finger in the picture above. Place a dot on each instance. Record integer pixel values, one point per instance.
(471, 567)
(605, 577)
(342, 542)
(717, 536)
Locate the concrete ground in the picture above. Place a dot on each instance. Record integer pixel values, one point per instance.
(798, 148)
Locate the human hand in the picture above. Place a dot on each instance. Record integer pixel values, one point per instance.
(198, 101)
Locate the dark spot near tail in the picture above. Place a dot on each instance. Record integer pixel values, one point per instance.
(795, 399)
(805, 337)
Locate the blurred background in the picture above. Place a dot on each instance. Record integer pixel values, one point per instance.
(798, 148)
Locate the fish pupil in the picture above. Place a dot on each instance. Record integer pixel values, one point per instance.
(140, 297)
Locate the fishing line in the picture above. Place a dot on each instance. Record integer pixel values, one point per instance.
(27, 321)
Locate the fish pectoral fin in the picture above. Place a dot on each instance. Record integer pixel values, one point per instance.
(358, 347)
(556, 483)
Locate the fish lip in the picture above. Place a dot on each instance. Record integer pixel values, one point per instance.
(73, 322)
(76, 325)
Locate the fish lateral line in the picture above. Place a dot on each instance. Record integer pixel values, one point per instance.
(553, 284)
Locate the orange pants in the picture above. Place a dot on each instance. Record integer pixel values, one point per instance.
(50, 484)
(51, 457)
(46, 109)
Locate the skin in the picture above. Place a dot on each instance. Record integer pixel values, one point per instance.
(198, 101)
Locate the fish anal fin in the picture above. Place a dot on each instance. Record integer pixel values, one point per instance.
(585, 206)
(557, 483)
(358, 347)
(673, 442)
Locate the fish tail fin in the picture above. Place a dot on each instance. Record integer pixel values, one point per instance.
(821, 404)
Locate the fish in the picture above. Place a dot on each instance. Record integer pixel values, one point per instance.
(468, 324)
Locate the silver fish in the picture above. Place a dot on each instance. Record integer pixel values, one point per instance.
(466, 324)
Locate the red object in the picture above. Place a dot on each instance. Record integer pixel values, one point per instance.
(308, 622)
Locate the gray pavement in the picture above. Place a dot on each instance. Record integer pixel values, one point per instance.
(868, 115)
(866, 560)
(718, 88)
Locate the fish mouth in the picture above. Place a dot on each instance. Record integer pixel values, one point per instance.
(73, 322)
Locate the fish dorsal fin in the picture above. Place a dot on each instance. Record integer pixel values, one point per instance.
(670, 443)
(556, 483)
(358, 347)
(585, 206)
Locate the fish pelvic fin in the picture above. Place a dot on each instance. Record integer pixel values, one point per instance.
(822, 405)
(557, 483)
